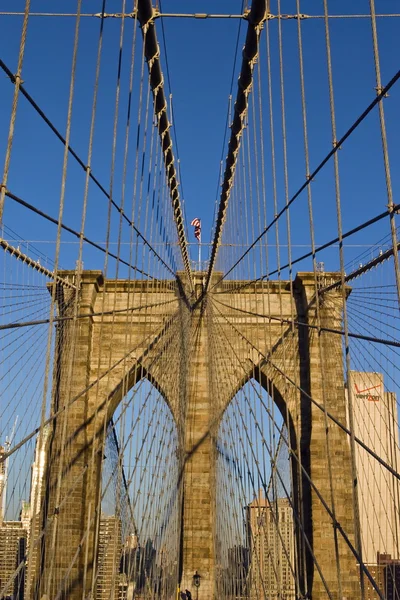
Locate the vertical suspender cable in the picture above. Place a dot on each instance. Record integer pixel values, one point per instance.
(385, 151)
(17, 84)
(355, 489)
(146, 15)
(256, 18)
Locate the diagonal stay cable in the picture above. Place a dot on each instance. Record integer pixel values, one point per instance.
(357, 336)
(256, 18)
(324, 503)
(267, 361)
(382, 94)
(146, 16)
(20, 324)
(85, 167)
(138, 361)
(363, 269)
(124, 480)
(335, 522)
(329, 244)
(39, 212)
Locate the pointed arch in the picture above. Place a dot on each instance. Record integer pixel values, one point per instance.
(135, 374)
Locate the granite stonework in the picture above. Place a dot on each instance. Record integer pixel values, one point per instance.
(176, 342)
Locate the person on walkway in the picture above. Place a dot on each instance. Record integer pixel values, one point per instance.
(188, 595)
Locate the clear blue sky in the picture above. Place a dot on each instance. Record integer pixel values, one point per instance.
(200, 61)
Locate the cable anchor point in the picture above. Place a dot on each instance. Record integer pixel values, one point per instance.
(392, 208)
(379, 89)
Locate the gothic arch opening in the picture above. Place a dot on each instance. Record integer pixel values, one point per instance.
(255, 508)
(140, 497)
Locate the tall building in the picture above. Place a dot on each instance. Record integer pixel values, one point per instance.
(12, 552)
(376, 425)
(108, 559)
(386, 574)
(30, 513)
(38, 470)
(391, 580)
(13, 541)
(270, 535)
(25, 515)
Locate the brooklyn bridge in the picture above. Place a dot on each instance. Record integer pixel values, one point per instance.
(200, 293)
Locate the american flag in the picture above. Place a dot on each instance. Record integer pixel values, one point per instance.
(196, 223)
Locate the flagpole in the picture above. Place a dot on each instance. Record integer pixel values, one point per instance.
(200, 254)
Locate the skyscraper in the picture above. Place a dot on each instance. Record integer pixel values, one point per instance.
(12, 552)
(271, 541)
(30, 514)
(38, 470)
(376, 425)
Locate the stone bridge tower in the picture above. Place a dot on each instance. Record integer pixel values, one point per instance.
(99, 358)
